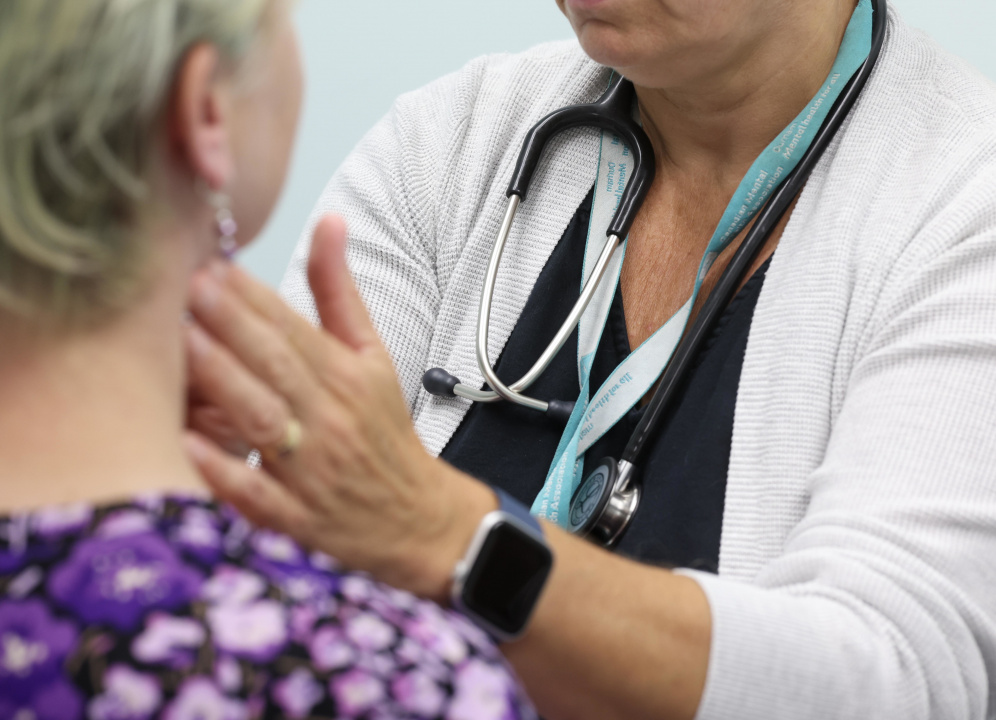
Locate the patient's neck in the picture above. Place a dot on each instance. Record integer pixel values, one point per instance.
(96, 417)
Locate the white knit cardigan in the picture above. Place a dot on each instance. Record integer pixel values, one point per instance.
(858, 561)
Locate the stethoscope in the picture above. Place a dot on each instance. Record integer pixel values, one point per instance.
(605, 503)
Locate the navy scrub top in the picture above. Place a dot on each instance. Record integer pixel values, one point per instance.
(684, 474)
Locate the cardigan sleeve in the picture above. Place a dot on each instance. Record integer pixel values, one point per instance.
(388, 190)
(882, 604)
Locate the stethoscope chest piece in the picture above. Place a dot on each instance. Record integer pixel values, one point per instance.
(604, 504)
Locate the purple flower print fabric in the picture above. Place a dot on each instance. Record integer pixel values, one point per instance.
(176, 608)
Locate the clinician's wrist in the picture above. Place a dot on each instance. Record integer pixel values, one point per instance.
(462, 502)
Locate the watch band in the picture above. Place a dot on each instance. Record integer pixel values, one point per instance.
(508, 504)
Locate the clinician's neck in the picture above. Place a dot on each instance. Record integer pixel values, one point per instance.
(721, 122)
(97, 416)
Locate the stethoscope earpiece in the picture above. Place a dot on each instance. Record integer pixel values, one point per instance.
(560, 411)
(440, 383)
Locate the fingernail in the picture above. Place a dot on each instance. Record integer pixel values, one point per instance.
(198, 341)
(205, 292)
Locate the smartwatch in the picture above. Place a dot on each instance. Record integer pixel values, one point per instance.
(499, 581)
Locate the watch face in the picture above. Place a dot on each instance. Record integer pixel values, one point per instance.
(507, 578)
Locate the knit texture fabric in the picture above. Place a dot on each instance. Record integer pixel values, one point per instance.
(858, 561)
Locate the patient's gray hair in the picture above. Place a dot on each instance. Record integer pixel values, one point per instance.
(83, 86)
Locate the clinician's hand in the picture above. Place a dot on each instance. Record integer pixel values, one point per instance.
(359, 485)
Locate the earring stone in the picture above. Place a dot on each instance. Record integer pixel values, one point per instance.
(226, 226)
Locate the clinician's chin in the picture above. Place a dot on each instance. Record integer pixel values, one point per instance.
(608, 45)
(582, 5)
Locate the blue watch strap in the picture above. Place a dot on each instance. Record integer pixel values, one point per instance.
(508, 504)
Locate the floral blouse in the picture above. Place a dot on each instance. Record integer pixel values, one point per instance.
(178, 608)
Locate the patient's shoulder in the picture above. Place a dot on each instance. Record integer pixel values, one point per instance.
(177, 604)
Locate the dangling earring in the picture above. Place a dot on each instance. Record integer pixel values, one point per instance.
(225, 225)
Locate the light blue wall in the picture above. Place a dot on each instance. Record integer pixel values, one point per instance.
(965, 27)
(361, 55)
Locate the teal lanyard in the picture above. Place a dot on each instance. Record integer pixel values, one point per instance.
(594, 414)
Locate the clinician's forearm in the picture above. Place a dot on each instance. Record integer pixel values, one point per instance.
(614, 639)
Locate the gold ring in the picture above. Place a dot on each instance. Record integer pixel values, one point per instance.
(291, 440)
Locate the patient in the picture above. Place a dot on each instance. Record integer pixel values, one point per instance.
(139, 139)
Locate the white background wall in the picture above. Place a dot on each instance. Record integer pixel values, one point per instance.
(360, 55)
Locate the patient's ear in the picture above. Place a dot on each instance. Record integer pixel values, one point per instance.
(199, 117)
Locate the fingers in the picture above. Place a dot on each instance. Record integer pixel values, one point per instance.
(267, 336)
(214, 423)
(259, 414)
(338, 301)
(312, 344)
(260, 498)
(256, 342)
